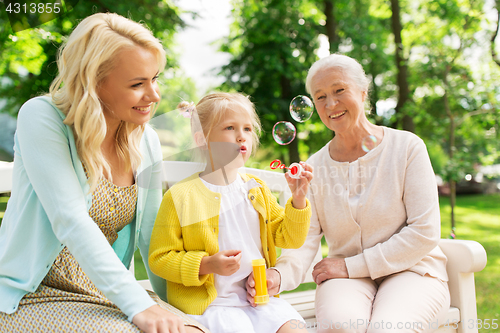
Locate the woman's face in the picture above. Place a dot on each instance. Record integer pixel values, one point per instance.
(130, 89)
(338, 100)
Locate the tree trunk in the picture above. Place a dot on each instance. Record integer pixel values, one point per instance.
(451, 180)
(331, 26)
(402, 66)
(494, 54)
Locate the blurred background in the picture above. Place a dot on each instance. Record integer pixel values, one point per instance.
(433, 65)
(434, 68)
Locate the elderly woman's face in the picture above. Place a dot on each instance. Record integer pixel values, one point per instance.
(338, 100)
(130, 89)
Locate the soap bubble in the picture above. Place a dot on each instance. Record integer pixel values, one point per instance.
(301, 108)
(284, 132)
(369, 143)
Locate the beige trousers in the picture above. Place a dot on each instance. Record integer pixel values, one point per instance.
(402, 302)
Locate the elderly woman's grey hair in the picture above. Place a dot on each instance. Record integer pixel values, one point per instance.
(352, 68)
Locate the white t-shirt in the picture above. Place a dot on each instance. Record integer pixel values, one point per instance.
(238, 230)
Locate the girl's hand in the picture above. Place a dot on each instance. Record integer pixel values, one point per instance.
(155, 320)
(299, 187)
(223, 263)
(273, 279)
(329, 268)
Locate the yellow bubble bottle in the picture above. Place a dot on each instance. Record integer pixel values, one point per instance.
(259, 275)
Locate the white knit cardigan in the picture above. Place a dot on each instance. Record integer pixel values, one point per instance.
(398, 222)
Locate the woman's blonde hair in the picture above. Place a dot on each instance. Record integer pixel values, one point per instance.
(212, 108)
(84, 60)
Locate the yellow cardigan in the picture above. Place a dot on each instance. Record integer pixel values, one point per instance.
(186, 230)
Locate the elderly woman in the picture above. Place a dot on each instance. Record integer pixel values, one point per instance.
(86, 191)
(379, 213)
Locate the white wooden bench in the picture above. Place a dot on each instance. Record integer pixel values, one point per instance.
(464, 257)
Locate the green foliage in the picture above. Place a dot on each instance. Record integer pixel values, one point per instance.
(272, 43)
(27, 60)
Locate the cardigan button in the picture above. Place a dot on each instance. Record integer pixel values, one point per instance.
(252, 197)
(266, 221)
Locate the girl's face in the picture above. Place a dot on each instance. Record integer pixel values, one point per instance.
(130, 89)
(338, 100)
(234, 128)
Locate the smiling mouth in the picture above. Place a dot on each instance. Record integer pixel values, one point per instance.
(142, 109)
(338, 115)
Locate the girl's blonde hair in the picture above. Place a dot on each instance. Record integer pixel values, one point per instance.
(84, 60)
(212, 108)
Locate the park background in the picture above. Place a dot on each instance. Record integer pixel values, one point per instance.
(433, 65)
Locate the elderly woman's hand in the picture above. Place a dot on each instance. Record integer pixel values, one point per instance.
(273, 279)
(329, 268)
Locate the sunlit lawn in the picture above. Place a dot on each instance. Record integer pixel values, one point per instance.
(477, 218)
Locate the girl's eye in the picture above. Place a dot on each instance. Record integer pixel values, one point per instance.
(248, 129)
(229, 127)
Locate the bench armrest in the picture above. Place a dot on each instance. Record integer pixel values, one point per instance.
(464, 258)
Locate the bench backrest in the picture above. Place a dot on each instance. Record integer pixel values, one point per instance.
(6, 176)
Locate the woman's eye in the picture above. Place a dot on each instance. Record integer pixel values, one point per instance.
(320, 98)
(155, 78)
(341, 90)
(137, 85)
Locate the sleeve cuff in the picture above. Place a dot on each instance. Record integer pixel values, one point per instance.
(298, 215)
(190, 269)
(357, 267)
(142, 307)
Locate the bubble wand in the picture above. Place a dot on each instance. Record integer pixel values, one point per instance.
(294, 170)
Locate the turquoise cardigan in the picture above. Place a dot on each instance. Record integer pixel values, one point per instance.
(48, 209)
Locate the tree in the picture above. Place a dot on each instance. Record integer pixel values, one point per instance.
(27, 60)
(402, 66)
(449, 88)
(272, 43)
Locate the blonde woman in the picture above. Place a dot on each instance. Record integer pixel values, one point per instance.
(86, 193)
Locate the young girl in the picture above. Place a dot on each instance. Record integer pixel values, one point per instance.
(211, 225)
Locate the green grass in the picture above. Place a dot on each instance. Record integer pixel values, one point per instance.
(477, 218)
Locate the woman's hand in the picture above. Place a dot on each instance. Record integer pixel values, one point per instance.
(299, 187)
(329, 268)
(157, 320)
(273, 279)
(223, 263)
